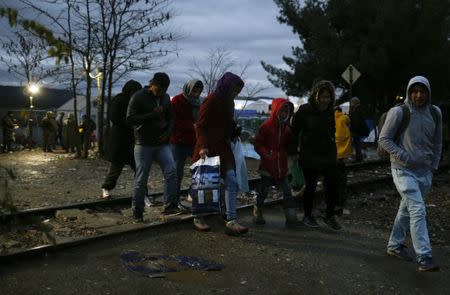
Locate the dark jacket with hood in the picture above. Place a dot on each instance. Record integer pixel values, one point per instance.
(215, 124)
(419, 146)
(272, 140)
(121, 140)
(315, 130)
(185, 111)
(150, 126)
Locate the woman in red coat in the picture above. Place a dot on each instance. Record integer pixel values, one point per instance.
(214, 129)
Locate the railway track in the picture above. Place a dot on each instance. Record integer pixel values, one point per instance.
(378, 176)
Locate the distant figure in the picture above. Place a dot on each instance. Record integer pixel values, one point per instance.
(8, 124)
(214, 129)
(271, 143)
(86, 128)
(150, 114)
(185, 108)
(344, 151)
(49, 131)
(314, 125)
(358, 127)
(121, 141)
(59, 136)
(71, 135)
(414, 155)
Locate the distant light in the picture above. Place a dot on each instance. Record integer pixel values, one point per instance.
(33, 88)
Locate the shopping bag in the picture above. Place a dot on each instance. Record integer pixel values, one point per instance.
(205, 186)
(298, 180)
(241, 167)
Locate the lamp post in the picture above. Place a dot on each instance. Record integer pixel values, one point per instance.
(33, 89)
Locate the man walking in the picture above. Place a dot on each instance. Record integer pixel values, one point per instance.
(150, 114)
(414, 154)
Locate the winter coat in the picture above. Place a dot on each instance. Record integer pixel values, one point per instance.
(271, 143)
(71, 135)
(358, 126)
(215, 124)
(8, 124)
(315, 131)
(49, 128)
(121, 138)
(185, 112)
(150, 128)
(420, 145)
(342, 135)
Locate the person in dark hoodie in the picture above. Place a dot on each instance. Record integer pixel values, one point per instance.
(215, 129)
(314, 126)
(271, 143)
(121, 141)
(414, 155)
(150, 114)
(185, 107)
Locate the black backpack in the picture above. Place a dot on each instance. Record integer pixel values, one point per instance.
(382, 153)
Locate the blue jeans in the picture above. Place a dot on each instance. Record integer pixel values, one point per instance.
(411, 212)
(265, 183)
(180, 153)
(144, 156)
(231, 190)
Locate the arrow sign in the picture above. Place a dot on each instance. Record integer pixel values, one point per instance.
(351, 74)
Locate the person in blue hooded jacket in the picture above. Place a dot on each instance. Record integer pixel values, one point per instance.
(414, 154)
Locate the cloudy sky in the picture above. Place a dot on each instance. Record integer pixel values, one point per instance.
(248, 29)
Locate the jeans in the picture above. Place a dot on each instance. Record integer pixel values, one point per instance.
(358, 148)
(144, 156)
(329, 181)
(180, 153)
(411, 212)
(231, 190)
(266, 181)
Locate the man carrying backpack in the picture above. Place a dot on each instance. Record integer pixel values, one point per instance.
(414, 154)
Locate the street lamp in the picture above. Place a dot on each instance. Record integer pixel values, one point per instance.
(98, 77)
(33, 89)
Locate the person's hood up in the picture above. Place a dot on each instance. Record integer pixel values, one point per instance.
(323, 84)
(277, 104)
(418, 80)
(131, 87)
(187, 88)
(226, 84)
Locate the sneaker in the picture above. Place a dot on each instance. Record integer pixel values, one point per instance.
(106, 194)
(138, 216)
(200, 225)
(291, 216)
(332, 223)
(258, 217)
(310, 221)
(233, 228)
(427, 264)
(183, 208)
(400, 253)
(171, 209)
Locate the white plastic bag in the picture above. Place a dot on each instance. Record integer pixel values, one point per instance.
(241, 167)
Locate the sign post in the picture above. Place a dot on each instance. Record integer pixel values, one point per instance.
(350, 75)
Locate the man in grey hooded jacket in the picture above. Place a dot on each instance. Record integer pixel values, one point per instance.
(413, 156)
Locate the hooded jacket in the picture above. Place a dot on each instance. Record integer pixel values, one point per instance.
(185, 111)
(215, 123)
(121, 140)
(272, 140)
(419, 146)
(315, 130)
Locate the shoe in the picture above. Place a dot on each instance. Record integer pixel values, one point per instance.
(171, 209)
(258, 217)
(400, 253)
(138, 216)
(427, 264)
(183, 209)
(332, 223)
(106, 194)
(233, 228)
(310, 221)
(200, 225)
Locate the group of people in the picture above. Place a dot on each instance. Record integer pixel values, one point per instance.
(151, 127)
